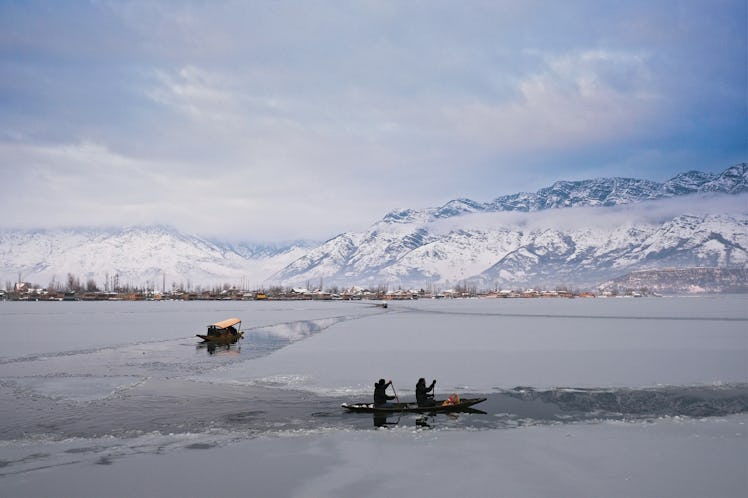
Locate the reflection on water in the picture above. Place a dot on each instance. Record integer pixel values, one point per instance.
(293, 331)
(221, 349)
(384, 419)
(424, 420)
(421, 421)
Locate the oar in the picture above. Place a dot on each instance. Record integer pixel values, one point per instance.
(393, 390)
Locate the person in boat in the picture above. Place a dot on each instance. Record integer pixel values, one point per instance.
(381, 398)
(423, 398)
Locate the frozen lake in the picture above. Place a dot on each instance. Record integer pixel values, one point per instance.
(644, 387)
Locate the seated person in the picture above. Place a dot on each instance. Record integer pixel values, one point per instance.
(423, 398)
(381, 398)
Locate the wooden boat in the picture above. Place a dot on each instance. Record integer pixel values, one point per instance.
(463, 405)
(223, 332)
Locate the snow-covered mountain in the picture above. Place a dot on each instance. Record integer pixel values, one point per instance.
(571, 233)
(525, 252)
(150, 255)
(596, 192)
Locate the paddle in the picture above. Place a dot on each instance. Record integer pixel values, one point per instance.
(394, 391)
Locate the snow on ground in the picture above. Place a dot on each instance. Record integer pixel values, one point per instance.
(665, 458)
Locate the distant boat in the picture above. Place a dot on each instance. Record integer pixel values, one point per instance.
(440, 406)
(224, 332)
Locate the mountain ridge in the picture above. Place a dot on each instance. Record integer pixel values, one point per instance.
(516, 239)
(593, 192)
(403, 248)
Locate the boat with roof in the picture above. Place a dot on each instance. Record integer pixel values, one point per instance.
(224, 332)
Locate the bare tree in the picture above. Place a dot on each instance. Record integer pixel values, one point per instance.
(73, 283)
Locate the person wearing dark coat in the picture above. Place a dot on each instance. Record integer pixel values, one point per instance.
(381, 398)
(423, 398)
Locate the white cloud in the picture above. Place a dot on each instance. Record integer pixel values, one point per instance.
(576, 99)
(194, 92)
(579, 218)
(333, 113)
(88, 184)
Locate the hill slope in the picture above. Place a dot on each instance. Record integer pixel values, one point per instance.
(571, 233)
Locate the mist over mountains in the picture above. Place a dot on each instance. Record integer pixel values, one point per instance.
(572, 233)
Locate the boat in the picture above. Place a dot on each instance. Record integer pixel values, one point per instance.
(440, 406)
(224, 332)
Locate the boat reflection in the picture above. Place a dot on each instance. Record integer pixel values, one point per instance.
(422, 421)
(220, 349)
(381, 419)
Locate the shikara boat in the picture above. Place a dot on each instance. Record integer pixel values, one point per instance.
(224, 332)
(461, 406)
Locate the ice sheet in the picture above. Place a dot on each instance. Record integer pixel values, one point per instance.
(140, 409)
(482, 345)
(666, 458)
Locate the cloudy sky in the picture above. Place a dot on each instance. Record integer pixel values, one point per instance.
(271, 120)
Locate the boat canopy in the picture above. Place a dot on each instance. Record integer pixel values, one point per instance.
(224, 324)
